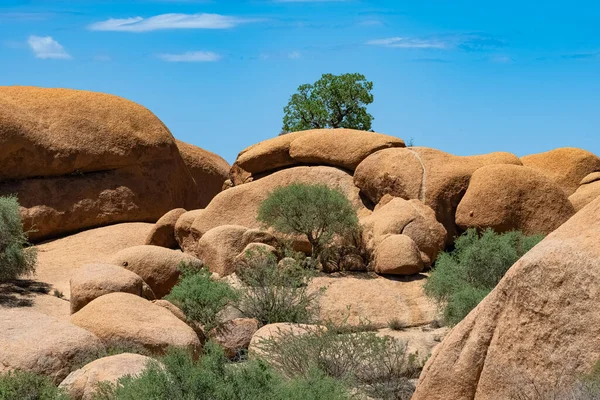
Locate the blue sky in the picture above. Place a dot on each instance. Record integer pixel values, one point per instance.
(466, 77)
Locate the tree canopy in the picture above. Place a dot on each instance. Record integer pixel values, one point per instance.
(334, 101)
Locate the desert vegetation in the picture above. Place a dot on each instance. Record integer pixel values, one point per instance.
(463, 277)
(17, 258)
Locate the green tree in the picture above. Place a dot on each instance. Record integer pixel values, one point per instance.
(334, 101)
(16, 258)
(462, 278)
(314, 211)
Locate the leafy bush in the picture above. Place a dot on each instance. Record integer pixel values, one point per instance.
(315, 211)
(462, 278)
(179, 377)
(276, 293)
(199, 296)
(375, 365)
(19, 385)
(16, 258)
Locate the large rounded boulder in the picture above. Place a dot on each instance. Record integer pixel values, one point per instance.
(510, 197)
(566, 166)
(79, 160)
(538, 329)
(126, 320)
(35, 342)
(163, 233)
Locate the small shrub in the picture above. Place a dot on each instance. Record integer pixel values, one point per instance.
(275, 294)
(16, 258)
(462, 278)
(377, 366)
(58, 293)
(20, 385)
(212, 377)
(396, 324)
(199, 296)
(314, 211)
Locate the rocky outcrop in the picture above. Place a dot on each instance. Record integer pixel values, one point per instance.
(540, 326)
(79, 160)
(31, 341)
(309, 147)
(82, 384)
(208, 169)
(510, 197)
(397, 255)
(437, 179)
(566, 166)
(163, 233)
(126, 320)
(158, 266)
(94, 280)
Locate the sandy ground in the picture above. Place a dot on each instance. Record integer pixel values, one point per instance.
(57, 259)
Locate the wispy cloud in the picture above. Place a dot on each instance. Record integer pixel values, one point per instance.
(170, 21)
(47, 48)
(294, 55)
(191, 56)
(471, 42)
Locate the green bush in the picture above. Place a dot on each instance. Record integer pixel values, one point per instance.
(212, 377)
(276, 294)
(199, 296)
(19, 385)
(463, 277)
(16, 258)
(374, 365)
(314, 211)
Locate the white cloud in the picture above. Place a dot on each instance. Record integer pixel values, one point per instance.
(191, 56)
(294, 55)
(46, 47)
(410, 43)
(169, 21)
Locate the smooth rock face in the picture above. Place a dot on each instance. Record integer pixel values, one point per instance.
(509, 197)
(586, 193)
(163, 233)
(437, 179)
(209, 171)
(31, 341)
(239, 205)
(412, 218)
(82, 383)
(397, 255)
(219, 246)
(539, 326)
(234, 335)
(119, 163)
(158, 266)
(122, 319)
(566, 166)
(94, 280)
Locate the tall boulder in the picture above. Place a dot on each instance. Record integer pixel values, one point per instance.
(511, 197)
(79, 160)
(437, 179)
(540, 326)
(566, 166)
(163, 233)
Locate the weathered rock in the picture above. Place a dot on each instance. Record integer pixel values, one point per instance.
(239, 205)
(510, 197)
(209, 171)
(587, 192)
(31, 341)
(397, 255)
(437, 179)
(353, 298)
(186, 237)
(593, 177)
(540, 326)
(171, 307)
(158, 266)
(82, 384)
(566, 166)
(94, 280)
(412, 218)
(351, 146)
(219, 247)
(273, 331)
(123, 319)
(163, 233)
(234, 335)
(119, 161)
